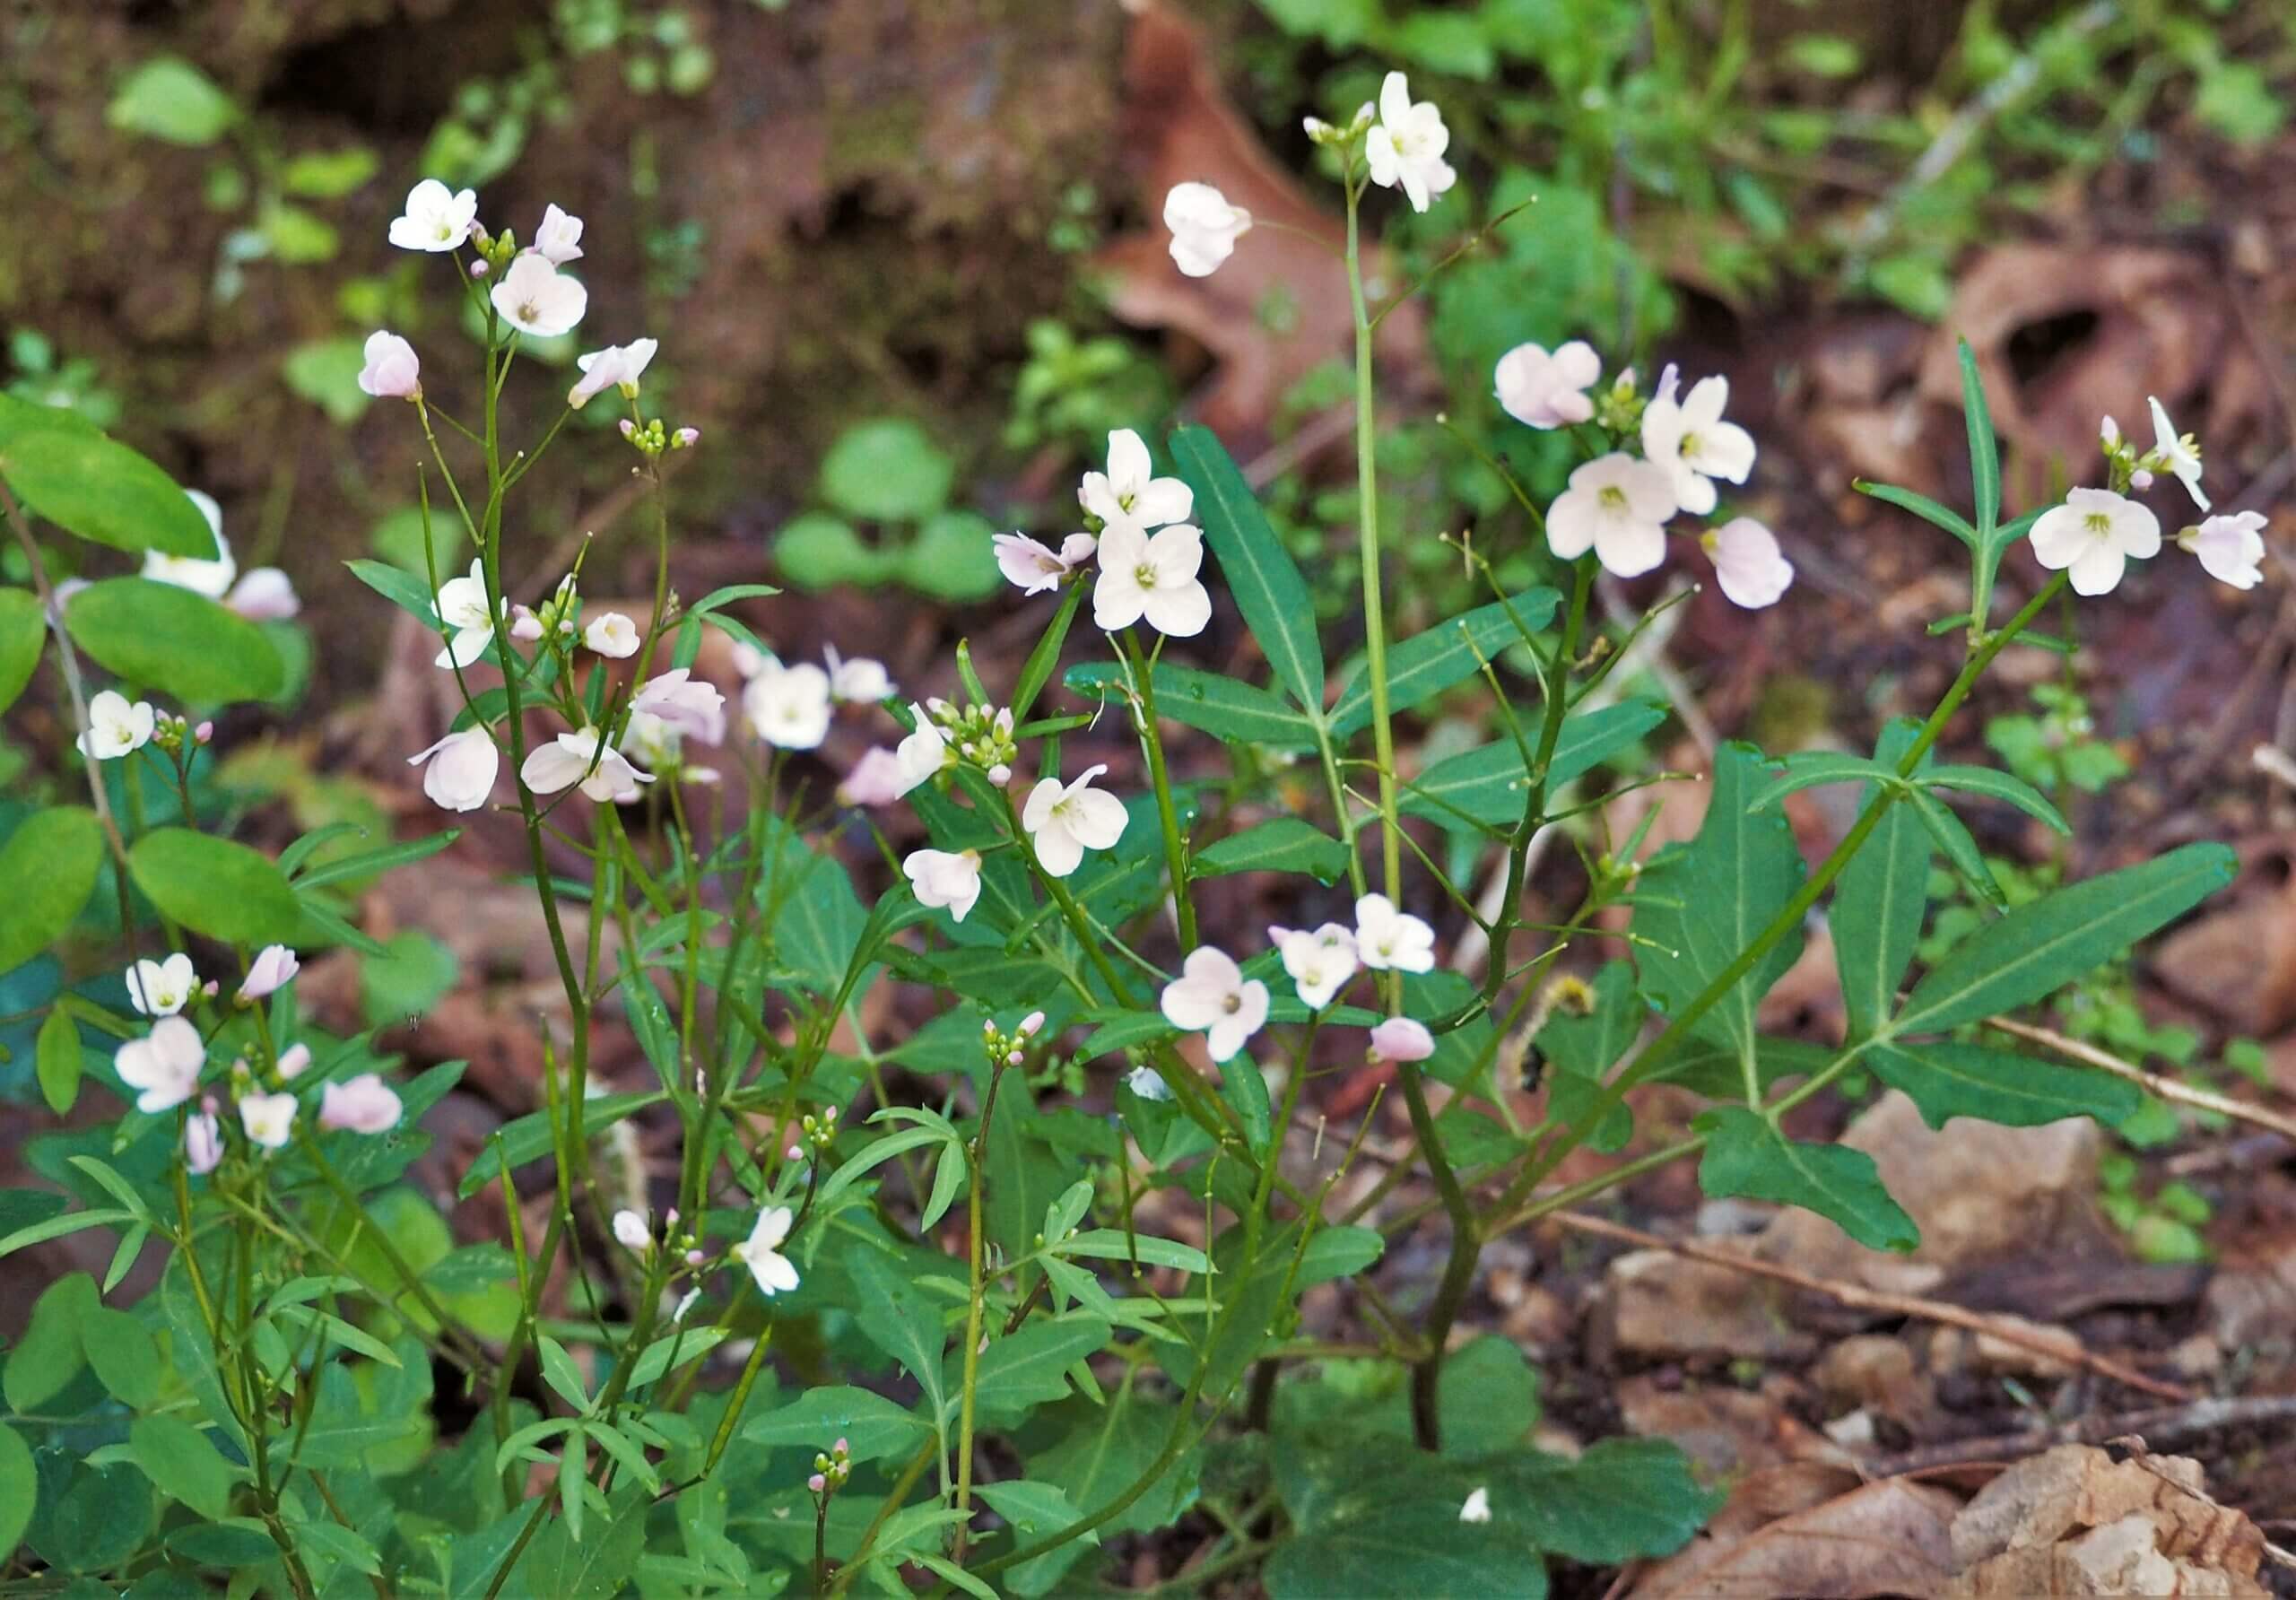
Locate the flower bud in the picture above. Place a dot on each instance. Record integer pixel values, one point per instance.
(817, 1484)
(629, 429)
(478, 269)
(205, 731)
(685, 438)
(1000, 775)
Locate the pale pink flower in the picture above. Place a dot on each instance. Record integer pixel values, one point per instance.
(268, 1119)
(1129, 494)
(295, 1061)
(265, 594)
(2093, 534)
(1406, 146)
(2180, 451)
(611, 634)
(161, 988)
(2230, 548)
(393, 371)
(1319, 961)
(790, 707)
(115, 727)
(362, 1105)
(857, 680)
(691, 705)
(616, 367)
(1205, 226)
(760, 1252)
(1063, 822)
(1548, 391)
(274, 966)
(164, 1065)
(437, 218)
(202, 1141)
(1212, 996)
(1152, 575)
(1386, 937)
(1694, 446)
(1033, 567)
(1617, 507)
(559, 239)
(876, 779)
(1399, 1039)
(942, 878)
(535, 298)
(583, 757)
(1747, 562)
(462, 769)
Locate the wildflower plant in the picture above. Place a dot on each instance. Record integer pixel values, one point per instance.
(902, 1311)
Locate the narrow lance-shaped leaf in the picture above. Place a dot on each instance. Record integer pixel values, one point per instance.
(1260, 572)
(1996, 786)
(1427, 663)
(1880, 899)
(1946, 1080)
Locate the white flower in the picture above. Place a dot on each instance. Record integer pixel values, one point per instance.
(115, 727)
(611, 633)
(1618, 506)
(1205, 226)
(1035, 567)
(295, 1061)
(647, 740)
(1694, 445)
(859, 681)
(437, 218)
(362, 1105)
(1128, 495)
(1063, 822)
(1212, 996)
(582, 757)
(788, 706)
(945, 880)
(269, 1119)
(616, 367)
(1548, 391)
(689, 705)
(1406, 144)
(210, 578)
(274, 967)
(923, 753)
(461, 605)
(1477, 1507)
(1152, 575)
(1387, 938)
(2230, 547)
(559, 239)
(462, 770)
(760, 1252)
(631, 1231)
(161, 988)
(875, 779)
(1320, 962)
(265, 594)
(393, 371)
(1148, 1083)
(535, 298)
(1747, 562)
(203, 1143)
(1399, 1039)
(2179, 452)
(165, 1064)
(2093, 534)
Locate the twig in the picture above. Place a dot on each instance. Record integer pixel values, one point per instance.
(2167, 1425)
(2167, 1089)
(1871, 1299)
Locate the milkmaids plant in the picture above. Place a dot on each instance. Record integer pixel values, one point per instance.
(917, 1310)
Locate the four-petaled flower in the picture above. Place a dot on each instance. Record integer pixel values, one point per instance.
(616, 367)
(1692, 442)
(923, 753)
(535, 298)
(1320, 960)
(1152, 575)
(1035, 567)
(437, 218)
(362, 1105)
(1063, 822)
(559, 239)
(2180, 451)
(1129, 495)
(115, 727)
(583, 757)
(461, 605)
(788, 706)
(760, 1252)
(274, 967)
(1747, 562)
(269, 1119)
(1406, 146)
(393, 371)
(875, 779)
(1617, 506)
(1212, 996)
(945, 878)
(1205, 226)
(2093, 534)
(462, 770)
(164, 1065)
(2230, 548)
(611, 633)
(1386, 937)
(1548, 390)
(161, 988)
(857, 680)
(691, 706)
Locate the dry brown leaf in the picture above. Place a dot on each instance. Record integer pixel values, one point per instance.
(1728, 1430)
(1886, 1538)
(1656, 1303)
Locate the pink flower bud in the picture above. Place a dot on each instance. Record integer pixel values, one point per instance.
(205, 731)
(526, 627)
(695, 1257)
(687, 438)
(202, 1141)
(840, 1449)
(478, 269)
(629, 429)
(274, 965)
(294, 1060)
(796, 1153)
(1000, 775)
(1399, 1039)
(817, 1484)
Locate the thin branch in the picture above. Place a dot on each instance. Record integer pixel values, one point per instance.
(2167, 1089)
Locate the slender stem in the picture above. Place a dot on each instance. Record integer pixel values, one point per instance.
(1375, 628)
(1167, 816)
(976, 1262)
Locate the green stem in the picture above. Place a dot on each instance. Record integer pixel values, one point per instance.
(1375, 629)
(1167, 816)
(976, 1261)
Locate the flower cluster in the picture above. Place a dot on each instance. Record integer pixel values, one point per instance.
(790, 705)
(260, 594)
(2093, 534)
(1212, 996)
(1148, 553)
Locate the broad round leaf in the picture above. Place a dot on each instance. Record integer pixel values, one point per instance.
(19, 1488)
(215, 886)
(22, 626)
(169, 639)
(169, 99)
(887, 471)
(100, 489)
(49, 864)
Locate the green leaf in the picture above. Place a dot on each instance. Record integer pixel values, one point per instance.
(953, 557)
(169, 99)
(2040, 947)
(56, 1057)
(1701, 905)
(1945, 1080)
(1985, 450)
(24, 631)
(48, 1357)
(215, 886)
(1746, 1155)
(1996, 786)
(872, 1426)
(901, 1320)
(324, 371)
(415, 973)
(529, 1138)
(49, 864)
(1621, 1499)
(1811, 767)
(886, 471)
(1336, 1252)
(1584, 1048)
(818, 551)
(407, 590)
(1044, 658)
(1200, 699)
(184, 1464)
(1377, 1530)
(1947, 832)
(99, 489)
(1285, 845)
(174, 640)
(124, 1354)
(1921, 506)
(1025, 1369)
(19, 1487)
(328, 175)
(1490, 783)
(1427, 663)
(1266, 585)
(369, 863)
(1880, 899)
(1114, 1244)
